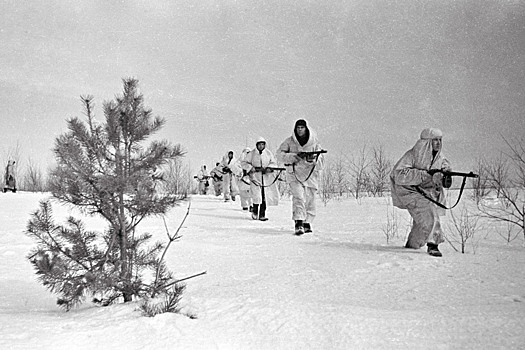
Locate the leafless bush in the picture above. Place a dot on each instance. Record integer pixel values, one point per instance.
(380, 168)
(509, 233)
(177, 178)
(339, 170)
(391, 227)
(33, 179)
(327, 188)
(507, 176)
(358, 165)
(463, 229)
(481, 184)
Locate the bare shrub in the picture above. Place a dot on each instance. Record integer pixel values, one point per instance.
(358, 165)
(176, 178)
(481, 184)
(463, 230)
(33, 179)
(380, 168)
(506, 176)
(391, 227)
(509, 233)
(327, 188)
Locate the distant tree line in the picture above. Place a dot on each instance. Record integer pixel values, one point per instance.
(362, 173)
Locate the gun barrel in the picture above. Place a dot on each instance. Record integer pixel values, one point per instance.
(456, 173)
(268, 168)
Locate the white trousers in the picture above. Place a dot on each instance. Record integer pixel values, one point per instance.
(303, 202)
(230, 188)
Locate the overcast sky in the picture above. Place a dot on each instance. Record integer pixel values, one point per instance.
(225, 72)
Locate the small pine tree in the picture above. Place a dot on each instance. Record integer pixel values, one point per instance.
(105, 170)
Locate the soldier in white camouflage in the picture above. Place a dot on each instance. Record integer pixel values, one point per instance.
(302, 173)
(416, 176)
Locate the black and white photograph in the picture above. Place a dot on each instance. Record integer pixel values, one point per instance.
(262, 174)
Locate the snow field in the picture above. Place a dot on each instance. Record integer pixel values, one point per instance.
(342, 287)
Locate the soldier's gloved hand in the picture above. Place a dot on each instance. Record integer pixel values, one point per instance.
(437, 179)
(310, 158)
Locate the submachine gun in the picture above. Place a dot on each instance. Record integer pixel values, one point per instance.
(312, 155)
(309, 156)
(447, 176)
(446, 181)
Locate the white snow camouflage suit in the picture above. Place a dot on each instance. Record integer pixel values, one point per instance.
(411, 171)
(202, 177)
(231, 169)
(301, 175)
(262, 160)
(244, 181)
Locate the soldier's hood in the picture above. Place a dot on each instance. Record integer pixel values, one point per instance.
(312, 139)
(227, 158)
(245, 153)
(422, 150)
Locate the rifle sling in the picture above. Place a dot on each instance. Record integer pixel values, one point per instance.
(311, 171)
(274, 180)
(418, 189)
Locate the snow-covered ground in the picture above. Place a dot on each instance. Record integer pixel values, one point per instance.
(342, 287)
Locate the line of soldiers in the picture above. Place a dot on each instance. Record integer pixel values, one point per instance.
(254, 175)
(417, 181)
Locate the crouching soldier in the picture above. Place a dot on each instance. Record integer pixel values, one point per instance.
(412, 181)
